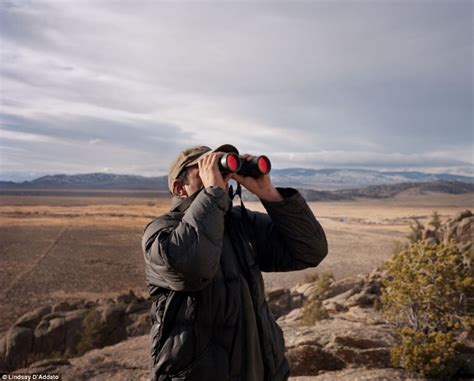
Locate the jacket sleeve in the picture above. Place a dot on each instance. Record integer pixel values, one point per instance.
(289, 237)
(184, 255)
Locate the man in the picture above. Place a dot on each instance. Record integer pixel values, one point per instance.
(203, 263)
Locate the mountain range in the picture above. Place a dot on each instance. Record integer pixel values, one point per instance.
(315, 184)
(335, 179)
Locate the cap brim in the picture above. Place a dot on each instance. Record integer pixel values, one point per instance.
(227, 148)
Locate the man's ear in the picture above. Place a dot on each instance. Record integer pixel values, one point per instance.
(178, 188)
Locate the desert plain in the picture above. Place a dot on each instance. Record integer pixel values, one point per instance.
(66, 245)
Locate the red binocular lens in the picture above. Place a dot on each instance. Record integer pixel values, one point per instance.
(229, 163)
(256, 167)
(232, 163)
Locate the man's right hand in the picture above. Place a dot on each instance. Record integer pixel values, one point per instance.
(209, 170)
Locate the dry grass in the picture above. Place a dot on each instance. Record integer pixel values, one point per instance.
(64, 247)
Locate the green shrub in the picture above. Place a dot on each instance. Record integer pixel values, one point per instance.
(313, 310)
(416, 230)
(310, 278)
(425, 293)
(323, 283)
(435, 221)
(431, 354)
(95, 334)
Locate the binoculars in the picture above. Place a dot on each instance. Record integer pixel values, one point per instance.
(232, 163)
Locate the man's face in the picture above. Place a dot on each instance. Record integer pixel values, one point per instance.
(194, 182)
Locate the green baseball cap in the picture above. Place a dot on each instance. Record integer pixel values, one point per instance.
(191, 156)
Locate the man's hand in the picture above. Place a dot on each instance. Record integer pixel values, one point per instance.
(261, 186)
(209, 170)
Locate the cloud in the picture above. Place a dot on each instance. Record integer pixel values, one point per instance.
(25, 137)
(373, 159)
(387, 82)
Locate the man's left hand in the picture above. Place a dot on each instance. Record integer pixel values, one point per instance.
(261, 186)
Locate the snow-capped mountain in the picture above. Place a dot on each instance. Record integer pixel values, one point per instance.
(310, 179)
(332, 179)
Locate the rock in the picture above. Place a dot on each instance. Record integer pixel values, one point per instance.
(343, 286)
(292, 316)
(374, 357)
(3, 355)
(279, 301)
(89, 304)
(127, 298)
(61, 307)
(464, 247)
(52, 315)
(276, 293)
(464, 231)
(50, 336)
(115, 322)
(126, 361)
(73, 322)
(333, 307)
(362, 299)
(18, 344)
(32, 318)
(363, 374)
(343, 297)
(307, 290)
(373, 286)
(301, 288)
(138, 306)
(311, 291)
(310, 359)
(103, 301)
(450, 233)
(359, 342)
(362, 347)
(428, 233)
(365, 316)
(461, 215)
(112, 313)
(355, 343)
(297, 300)
(140, 326)
(50, 362)
(58, 330)
(79, 304)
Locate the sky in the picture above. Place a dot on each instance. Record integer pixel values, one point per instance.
(123, 86)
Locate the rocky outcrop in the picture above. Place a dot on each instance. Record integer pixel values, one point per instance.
(72, 328)
(354, 334)
(352, 342)
(127, 361)
(363, 374)
(460, 229)
(339, 342)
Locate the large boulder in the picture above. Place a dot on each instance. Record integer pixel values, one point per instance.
(128, 360)
(70, 328)
(32, 318)
(342, 340)
(311, 359)
(281, 301)
(17, 347)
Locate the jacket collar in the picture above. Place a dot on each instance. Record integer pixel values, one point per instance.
(180, 204)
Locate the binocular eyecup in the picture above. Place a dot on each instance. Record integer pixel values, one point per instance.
(232, 163)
